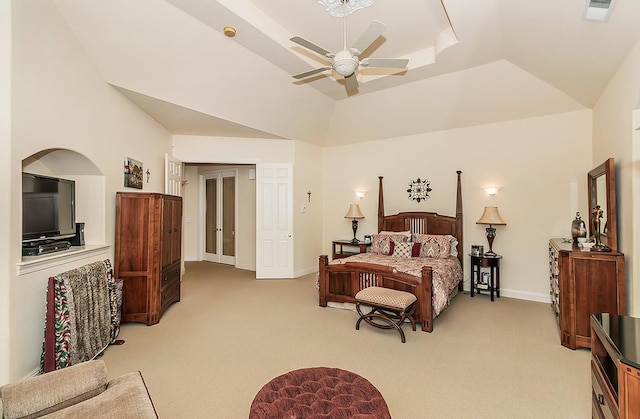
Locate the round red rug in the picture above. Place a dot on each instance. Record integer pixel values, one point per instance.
(319, 392)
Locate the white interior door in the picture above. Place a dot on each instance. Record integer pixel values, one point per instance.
(218, 196)
(172, 175)
(274, 221)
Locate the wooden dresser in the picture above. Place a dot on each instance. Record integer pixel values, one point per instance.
(148, 253)
(615, 366)
(583, 283)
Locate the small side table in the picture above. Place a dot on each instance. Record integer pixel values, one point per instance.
(345, 248)
(485, 261)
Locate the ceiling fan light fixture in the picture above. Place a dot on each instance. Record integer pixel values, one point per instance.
(344, 63)
(341, 8)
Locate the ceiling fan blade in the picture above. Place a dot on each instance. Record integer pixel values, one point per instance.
(372, 33)
(385, 62)
(310, 45)
(310, 73)
(351, 82)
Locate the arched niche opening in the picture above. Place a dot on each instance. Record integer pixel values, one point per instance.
(90, 196)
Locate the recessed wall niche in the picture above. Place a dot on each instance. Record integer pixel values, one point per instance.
(90, 186)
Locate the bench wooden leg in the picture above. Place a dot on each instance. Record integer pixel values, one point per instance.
(392, 319)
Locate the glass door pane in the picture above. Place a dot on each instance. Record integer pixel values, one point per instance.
(228, 216)
(211, 228)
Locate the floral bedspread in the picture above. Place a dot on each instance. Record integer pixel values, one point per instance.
(447, 272)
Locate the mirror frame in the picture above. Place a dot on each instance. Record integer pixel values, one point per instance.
(608, 170)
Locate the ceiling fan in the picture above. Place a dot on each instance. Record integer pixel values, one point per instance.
(346, 62)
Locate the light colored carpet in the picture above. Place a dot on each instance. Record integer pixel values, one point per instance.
(213, 351)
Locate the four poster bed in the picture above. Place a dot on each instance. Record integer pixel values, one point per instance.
(417, 252)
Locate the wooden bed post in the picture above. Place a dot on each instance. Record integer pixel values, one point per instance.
(322, 280)
(459, 228)
(380, 205)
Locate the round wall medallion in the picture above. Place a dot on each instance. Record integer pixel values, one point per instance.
(419, 190)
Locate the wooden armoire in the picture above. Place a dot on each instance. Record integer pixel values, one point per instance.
(148, 253)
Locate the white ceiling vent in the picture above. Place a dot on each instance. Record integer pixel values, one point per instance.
(598, 10)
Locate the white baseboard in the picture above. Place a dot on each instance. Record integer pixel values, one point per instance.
(306, 271)
(246, 267)
(31, 374)
(522, 295)
(525, 295)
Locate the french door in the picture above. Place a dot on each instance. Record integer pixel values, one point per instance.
(218, 196)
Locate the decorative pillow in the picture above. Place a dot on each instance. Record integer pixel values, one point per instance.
(434, 246)
(407, 233)
(454, 247)
(402, 250)
(415, 250)
(381, 243)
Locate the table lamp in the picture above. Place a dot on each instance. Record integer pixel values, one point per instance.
(492, 217)
(354, 213)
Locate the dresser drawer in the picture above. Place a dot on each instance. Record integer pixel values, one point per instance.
(170, 274)
(170, 294)
(603, 404)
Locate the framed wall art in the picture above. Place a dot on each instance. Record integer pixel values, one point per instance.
(133, 174)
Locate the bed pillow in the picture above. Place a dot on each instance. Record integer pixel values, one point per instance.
(403, 250)
(415, 250)
(454, 247)
(407, 233)
(381, 243)
(435, 246)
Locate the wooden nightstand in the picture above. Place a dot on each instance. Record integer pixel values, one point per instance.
(493, 284)
(346, 248)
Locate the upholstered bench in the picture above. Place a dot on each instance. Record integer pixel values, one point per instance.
(319, 392)
(390, 306)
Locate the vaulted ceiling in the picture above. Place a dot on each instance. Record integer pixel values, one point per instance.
(469, 63)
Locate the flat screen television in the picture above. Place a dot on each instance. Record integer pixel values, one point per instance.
(48, 208)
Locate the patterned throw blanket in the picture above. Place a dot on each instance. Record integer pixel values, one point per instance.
(82, 315)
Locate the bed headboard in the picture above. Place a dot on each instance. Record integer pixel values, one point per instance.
(424, 222)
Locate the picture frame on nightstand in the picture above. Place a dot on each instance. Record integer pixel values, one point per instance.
(477, 250)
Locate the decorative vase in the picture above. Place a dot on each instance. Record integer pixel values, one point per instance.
(578, 228)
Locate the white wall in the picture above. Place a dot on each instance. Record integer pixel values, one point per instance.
(206, 149)
(5, 187)
(535, 161)
(60, 101)
(190, 214)
(614, 136)
(307, 210)
(246, 222)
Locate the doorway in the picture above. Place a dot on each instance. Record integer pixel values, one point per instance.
(219, 198)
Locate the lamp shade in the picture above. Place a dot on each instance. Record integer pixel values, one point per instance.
(490, 215)
(354, 212)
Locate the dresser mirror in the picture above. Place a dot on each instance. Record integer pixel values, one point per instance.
(601, 182)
